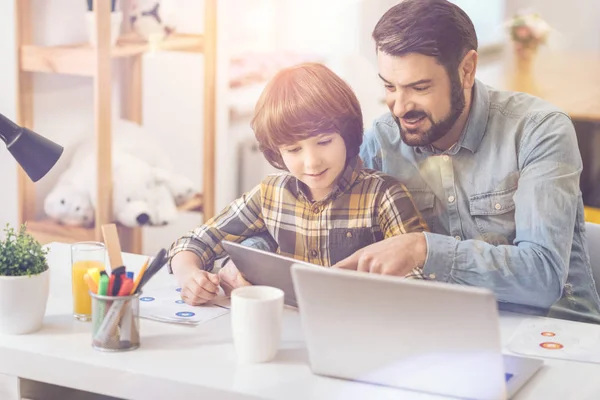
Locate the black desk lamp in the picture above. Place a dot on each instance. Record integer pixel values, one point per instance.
(34, 153)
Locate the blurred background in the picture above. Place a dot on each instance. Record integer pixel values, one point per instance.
(255, 38)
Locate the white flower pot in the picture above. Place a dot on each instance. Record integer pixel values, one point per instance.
(116, 18)
(23, 302)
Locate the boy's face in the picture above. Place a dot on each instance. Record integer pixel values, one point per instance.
(423, 99)
(317, 162)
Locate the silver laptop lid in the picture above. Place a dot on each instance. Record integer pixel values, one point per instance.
(424, 336)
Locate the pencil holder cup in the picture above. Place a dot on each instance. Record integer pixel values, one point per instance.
(115, 322)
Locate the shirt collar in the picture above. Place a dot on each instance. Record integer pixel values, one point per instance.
(346, 179)
(475, 126)
(478, 118)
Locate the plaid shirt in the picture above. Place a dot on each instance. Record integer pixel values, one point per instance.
(365, 207)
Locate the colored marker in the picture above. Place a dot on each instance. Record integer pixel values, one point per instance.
(103, 286)
(126, 287)
(94, 273)
(91, 284)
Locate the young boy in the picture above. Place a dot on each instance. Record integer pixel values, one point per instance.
(325, 206)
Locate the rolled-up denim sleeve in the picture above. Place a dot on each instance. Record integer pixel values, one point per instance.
(533, 270)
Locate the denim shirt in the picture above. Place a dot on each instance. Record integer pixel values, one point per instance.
(503, 205)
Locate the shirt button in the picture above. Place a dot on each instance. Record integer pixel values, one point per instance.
(314, 253)
(569, 289)
(457, 237)
(497, 206)
(451, 199)
(431, 276)
(316, 209)
(348, 234)
(445, 157)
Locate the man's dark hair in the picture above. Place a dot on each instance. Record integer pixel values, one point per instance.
(435, 28)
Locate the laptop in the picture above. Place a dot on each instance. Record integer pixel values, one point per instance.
(263, 268)
(424, 336)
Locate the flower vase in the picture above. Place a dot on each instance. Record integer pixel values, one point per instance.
(524, 66)
(524, 58)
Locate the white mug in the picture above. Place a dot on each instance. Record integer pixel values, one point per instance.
(256, 314)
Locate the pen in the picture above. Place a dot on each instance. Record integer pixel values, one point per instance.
(158, 262)
(140, 275)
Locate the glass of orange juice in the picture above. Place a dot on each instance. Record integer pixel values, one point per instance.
(84, 256)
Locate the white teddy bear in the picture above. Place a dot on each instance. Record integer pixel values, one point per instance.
(69, 203)
(145, 191)
(136, 140)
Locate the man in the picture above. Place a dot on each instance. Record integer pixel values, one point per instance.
(495, 174)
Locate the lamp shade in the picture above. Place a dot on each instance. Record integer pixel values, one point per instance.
(34, 153)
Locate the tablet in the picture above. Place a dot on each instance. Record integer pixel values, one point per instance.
(260, 267)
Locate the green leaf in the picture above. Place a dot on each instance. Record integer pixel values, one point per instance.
(21, 254)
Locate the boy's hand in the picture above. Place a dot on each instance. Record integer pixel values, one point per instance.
(199, 287)
(231, 278)
(397, 255)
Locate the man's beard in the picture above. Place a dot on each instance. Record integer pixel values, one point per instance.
(438, 129)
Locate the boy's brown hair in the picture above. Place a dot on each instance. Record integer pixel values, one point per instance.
(304, 101)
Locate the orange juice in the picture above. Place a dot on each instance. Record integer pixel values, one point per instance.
(82, 302)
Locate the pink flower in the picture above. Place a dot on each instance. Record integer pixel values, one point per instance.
(523, 33)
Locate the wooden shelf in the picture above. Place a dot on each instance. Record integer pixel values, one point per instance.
(47, 231)
(96, 62)
(80, 59)
(195, 204)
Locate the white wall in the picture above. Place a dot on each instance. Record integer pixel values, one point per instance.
(8, 167)
(576, 21)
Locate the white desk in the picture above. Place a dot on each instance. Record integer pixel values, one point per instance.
(199, 362)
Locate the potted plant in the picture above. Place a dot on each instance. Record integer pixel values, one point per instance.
(116, 19)
(24, 282)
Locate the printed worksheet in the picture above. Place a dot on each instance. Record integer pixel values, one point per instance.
(557, 339)
(164, 304)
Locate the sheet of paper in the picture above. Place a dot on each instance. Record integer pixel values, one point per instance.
(557, 339)
(163, 303)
